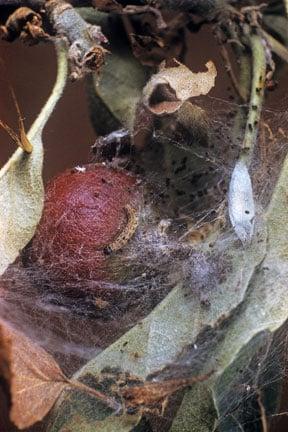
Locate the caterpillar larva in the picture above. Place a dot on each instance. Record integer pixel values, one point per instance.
(125, 235)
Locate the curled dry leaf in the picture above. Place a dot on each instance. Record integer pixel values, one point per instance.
(24, 23)
(21, 187)
(35, 378)
(171, 86)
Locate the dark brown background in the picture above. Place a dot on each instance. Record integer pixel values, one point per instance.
(68, 135)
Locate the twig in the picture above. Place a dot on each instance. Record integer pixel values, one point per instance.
(240, 90)
(241, 84)
(276, 46)
(38, 4)
(229, 69)
(85, 51)
(243, 59)
(263, 416)
(284, 413)
(286, 7)
(200, 7)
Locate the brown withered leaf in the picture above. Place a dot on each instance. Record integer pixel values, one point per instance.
(114, 6)
(24, 23)
(167, 90)
(152, 50)
(35, 378)
(107, 5)
(143, 9)
(152, 395)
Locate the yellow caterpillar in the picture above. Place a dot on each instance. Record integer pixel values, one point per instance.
(127, 233)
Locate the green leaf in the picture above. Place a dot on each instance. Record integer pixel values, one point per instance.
(120, 86)
(201, 413)
(175, 323)
(115, 94)
(21, 186)
(247, 300)
(265, 305)
(253, 378)
(251, 300)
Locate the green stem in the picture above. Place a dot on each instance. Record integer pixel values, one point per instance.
(243, 59)
(244, 85)
(240, 197)
(256, 96)
(21, 184)
(245, 75)
(62, 68)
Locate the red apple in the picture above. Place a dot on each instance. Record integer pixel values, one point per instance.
(90, 215)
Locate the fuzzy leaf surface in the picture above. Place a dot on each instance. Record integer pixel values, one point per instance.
(264, 307)
(115, 94)
(161, 338)
(21, 186)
